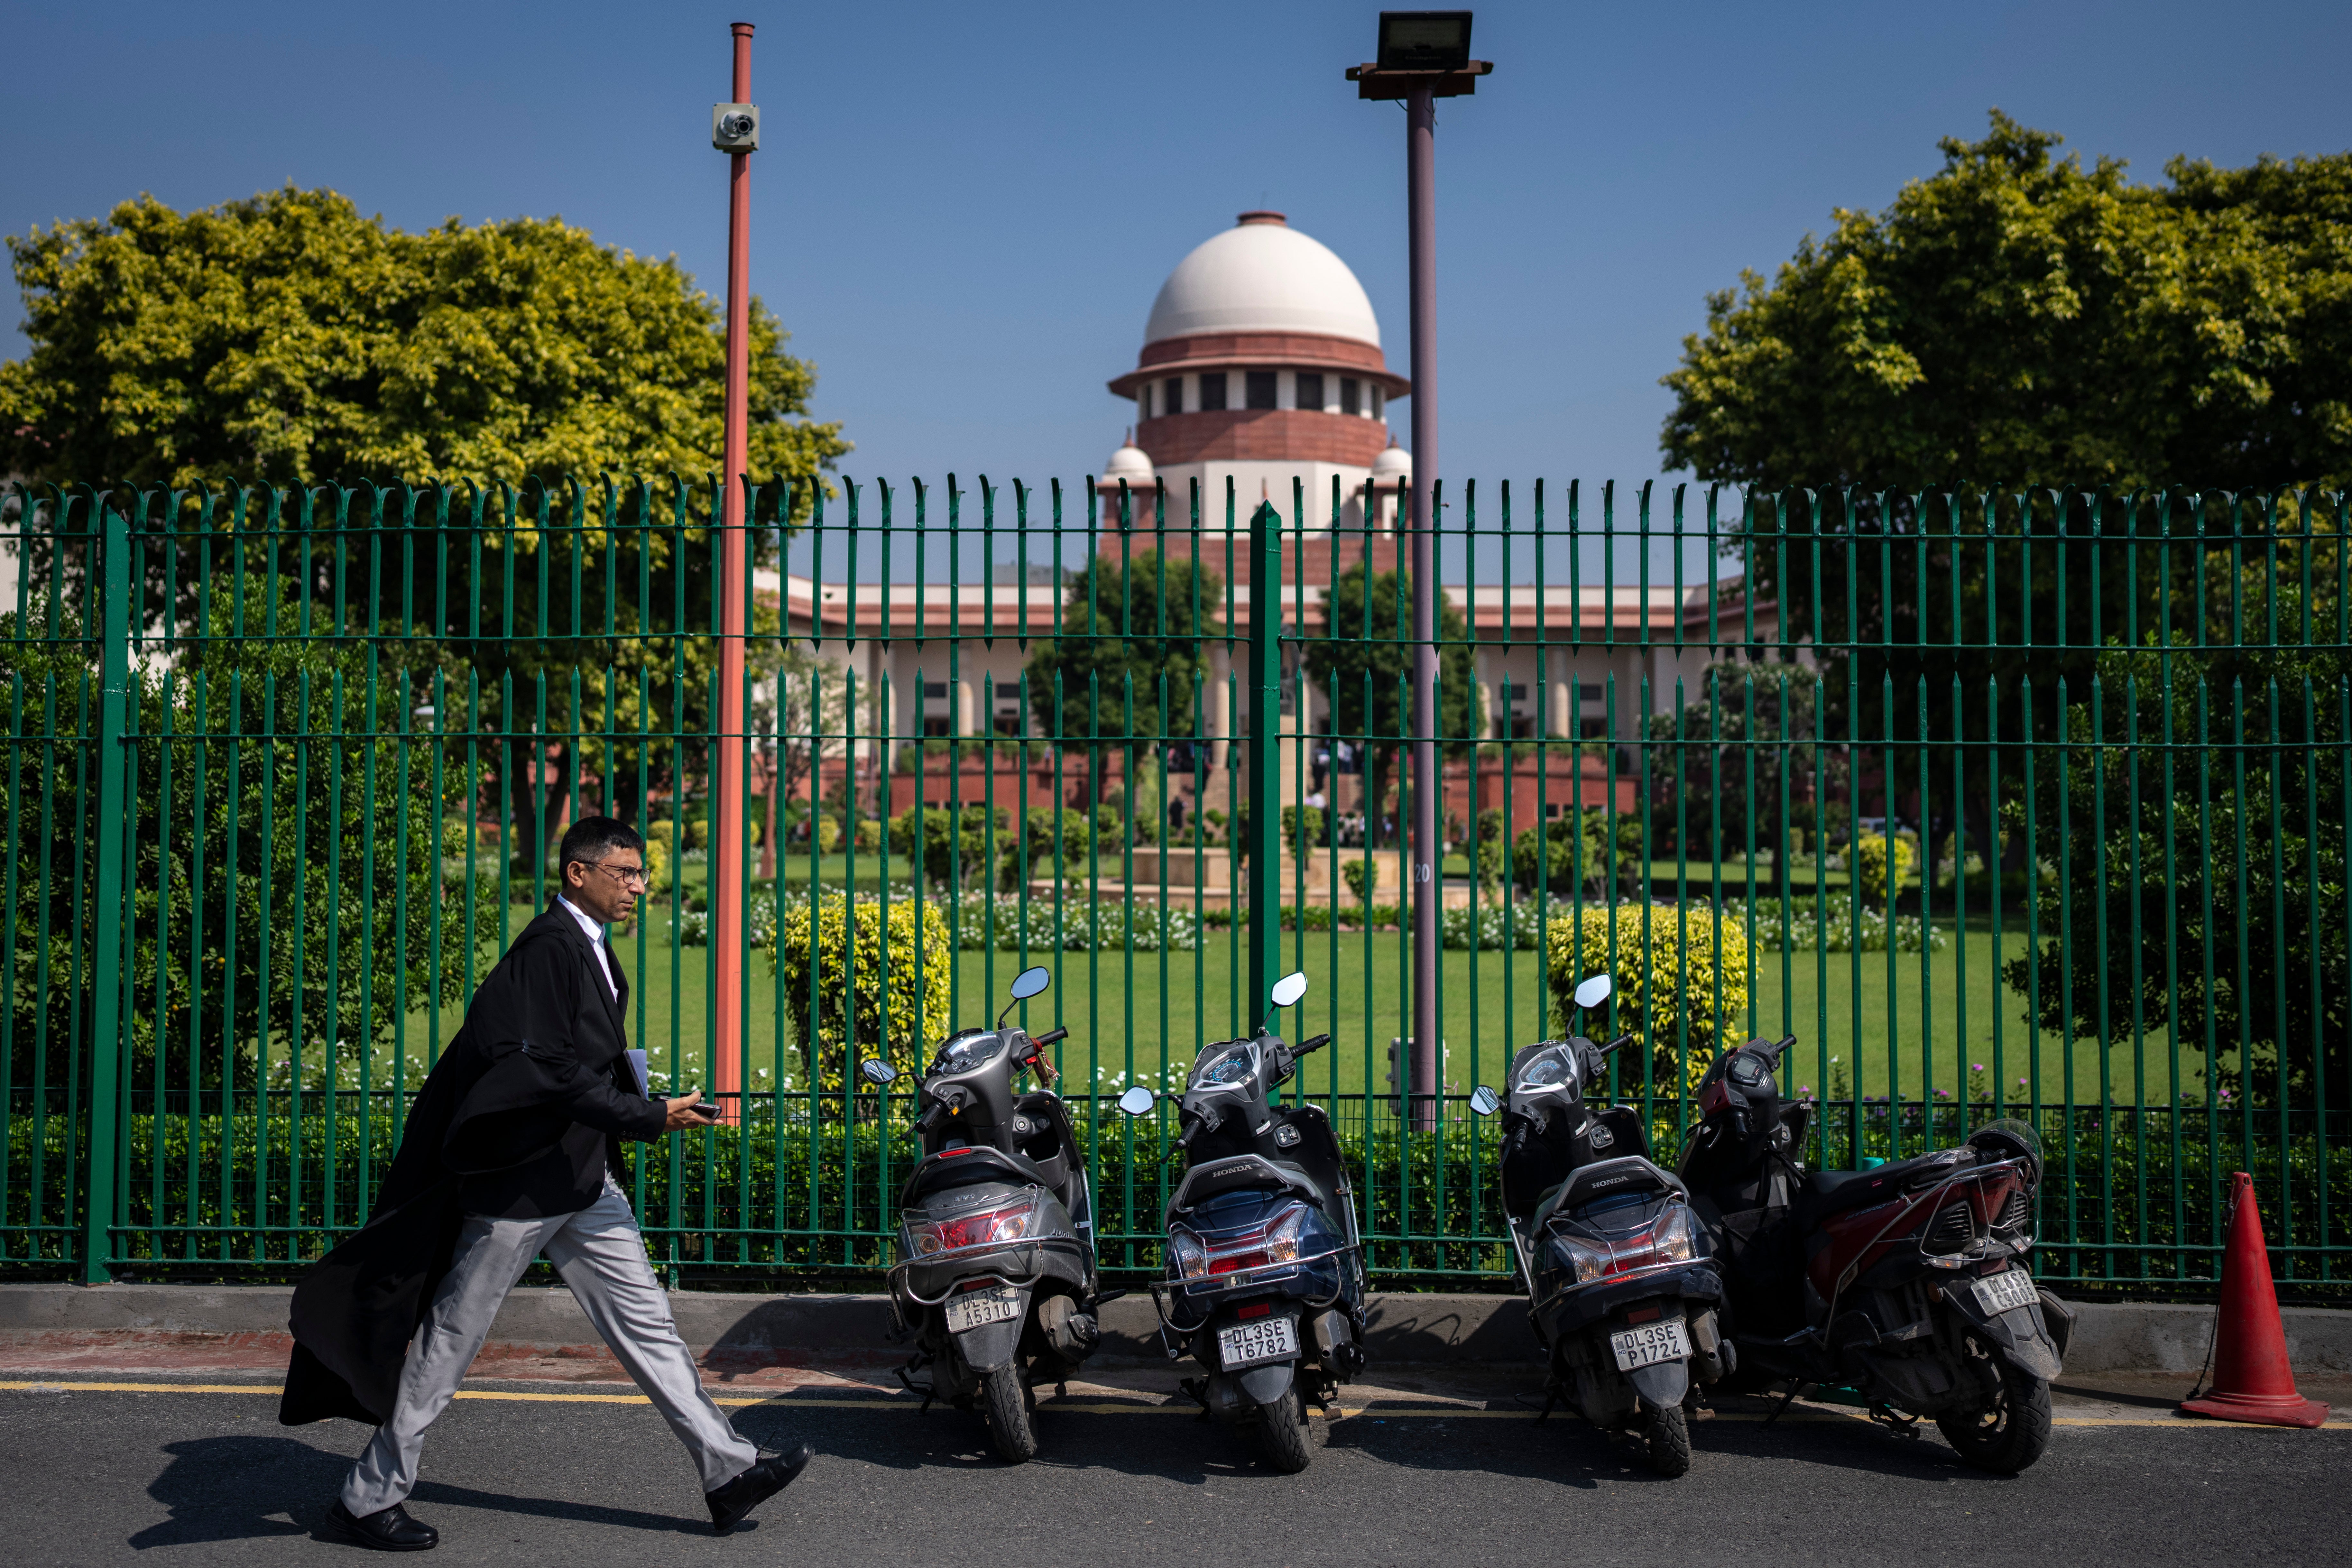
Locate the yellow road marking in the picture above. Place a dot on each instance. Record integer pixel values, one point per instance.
(898, 1401)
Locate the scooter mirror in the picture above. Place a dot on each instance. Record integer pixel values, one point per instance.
(1136, 1101)
(1030, 982)
(1483, 1101)
(1593, 992)
(1289, 988)
(876, 1070)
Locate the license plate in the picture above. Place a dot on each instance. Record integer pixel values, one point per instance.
(1268, 1339)
(1650, 1343)
(976, 1308)
(2005, 1291)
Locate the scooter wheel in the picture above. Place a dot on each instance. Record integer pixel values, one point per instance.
(2007, 1434)
(1282, 1429)
(1668, 1437)
(1010, 1428)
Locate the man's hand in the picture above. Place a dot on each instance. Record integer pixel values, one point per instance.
(683, 1114)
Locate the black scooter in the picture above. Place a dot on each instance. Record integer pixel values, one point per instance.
(1265, 1281)
(1620, 1292)
(996, 1279)
(1909, 1282)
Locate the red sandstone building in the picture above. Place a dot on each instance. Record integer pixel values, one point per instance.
(1262, 365)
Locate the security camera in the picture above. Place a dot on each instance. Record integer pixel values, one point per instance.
(735, 127)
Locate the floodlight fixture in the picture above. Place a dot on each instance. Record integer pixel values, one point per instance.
(1424, 41)
(1421, 51)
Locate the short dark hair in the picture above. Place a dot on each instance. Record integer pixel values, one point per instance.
(592, 839)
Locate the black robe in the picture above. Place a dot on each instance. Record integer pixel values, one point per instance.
(516, 1121)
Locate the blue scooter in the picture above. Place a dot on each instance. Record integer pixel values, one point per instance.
(1265, 1282)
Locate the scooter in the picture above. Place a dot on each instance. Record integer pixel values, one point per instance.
(1909, 1282)
(1620, 1292)
(996, 1279)
(1265, 1282)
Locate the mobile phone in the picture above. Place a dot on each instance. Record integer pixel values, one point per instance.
(704, 1109)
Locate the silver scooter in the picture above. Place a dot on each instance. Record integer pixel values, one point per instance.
(996, 1279)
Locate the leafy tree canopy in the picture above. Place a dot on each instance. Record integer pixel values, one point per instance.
(2016, 318)
(1365, 665)
(291, 337)
(1122, 626)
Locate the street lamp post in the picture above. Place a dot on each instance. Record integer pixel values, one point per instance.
(1423, 55)
(734, 130)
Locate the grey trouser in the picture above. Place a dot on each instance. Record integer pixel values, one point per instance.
(602, 1258)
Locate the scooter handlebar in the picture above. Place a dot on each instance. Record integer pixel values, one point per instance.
(1050, 1037)
(1311, 1045)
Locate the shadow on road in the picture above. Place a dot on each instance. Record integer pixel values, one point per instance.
(239, 1489)
(248, 1488)
(1169, 1447)
(1569, 1453)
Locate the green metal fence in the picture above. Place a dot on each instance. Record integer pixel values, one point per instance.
(2005, 803)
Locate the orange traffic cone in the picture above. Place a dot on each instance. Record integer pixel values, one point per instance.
(2251, 1378)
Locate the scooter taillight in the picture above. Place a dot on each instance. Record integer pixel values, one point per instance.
(1671, 1237)
(2005, 1204)
(1278, 1242)
(982, 1228)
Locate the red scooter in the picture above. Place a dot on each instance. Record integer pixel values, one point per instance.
(1909, 1282)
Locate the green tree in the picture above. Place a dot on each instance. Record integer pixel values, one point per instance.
(292, 898)
(1988, 377)
(474, 368)
(1364, 665)
(289, 336)
(2018, 319)
(1134, 633)
(1720, 763)
(954, 846)
(2193, 831)
(1581, 848)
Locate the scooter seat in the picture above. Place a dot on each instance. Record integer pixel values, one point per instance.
(1827, 1192)
(1604, 1178)
(1206, 1180)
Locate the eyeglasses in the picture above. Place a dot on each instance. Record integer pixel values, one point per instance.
(628, 876)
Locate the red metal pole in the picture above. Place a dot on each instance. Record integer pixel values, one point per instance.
(726, 844)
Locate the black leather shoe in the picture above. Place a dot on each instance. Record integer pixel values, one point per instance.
(389, 1531)
(755, 1486)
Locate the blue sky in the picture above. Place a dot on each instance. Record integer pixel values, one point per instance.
(963, 212)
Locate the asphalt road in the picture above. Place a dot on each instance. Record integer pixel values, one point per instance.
(515, 1474)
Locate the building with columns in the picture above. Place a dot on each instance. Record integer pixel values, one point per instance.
(1261, 366)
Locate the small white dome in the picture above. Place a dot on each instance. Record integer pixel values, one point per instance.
(1263, 275)
(1131, 463)
(1393, 463)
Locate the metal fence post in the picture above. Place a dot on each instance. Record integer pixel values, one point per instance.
(1264, 775)
(105, 924)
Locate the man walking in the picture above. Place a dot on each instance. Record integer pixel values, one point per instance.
(511, 1150)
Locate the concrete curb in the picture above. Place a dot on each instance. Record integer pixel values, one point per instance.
(1404, 1327)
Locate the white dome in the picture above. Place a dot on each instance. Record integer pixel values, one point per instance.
(1393, 463)
(1129, 463)
(1262, 276)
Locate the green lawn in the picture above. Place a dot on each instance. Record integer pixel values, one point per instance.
(1144, 1012)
